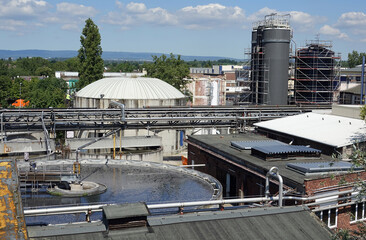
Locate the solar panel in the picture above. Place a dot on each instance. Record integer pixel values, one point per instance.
(247, 145)
(322, 167)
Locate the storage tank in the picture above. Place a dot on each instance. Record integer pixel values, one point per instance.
(270, 60)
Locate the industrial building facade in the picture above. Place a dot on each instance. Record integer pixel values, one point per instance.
(242, 174)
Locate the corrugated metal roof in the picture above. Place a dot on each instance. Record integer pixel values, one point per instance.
(317, 167)
(285, 149)
(331, 130)
(271, 223)
(247, 145)
(130, 88)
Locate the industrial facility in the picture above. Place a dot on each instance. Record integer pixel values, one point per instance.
(258, 152)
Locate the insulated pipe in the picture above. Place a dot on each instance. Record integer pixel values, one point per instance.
(75, 209)
(64, 210)
(274, 172)
(121, 106)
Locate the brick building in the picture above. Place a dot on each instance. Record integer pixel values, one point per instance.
(305, 173)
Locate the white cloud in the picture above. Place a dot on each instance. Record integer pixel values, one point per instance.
(71, 16)
(354, 22)
(22, 9)
(259, 15)
(136, 14)
(191, 17)
(210, 16)
(302, 21)
(299, 21)
(11, 25)
(21, 15)
(136, 7)
(331, 31)
(76, 10)
(352, 19)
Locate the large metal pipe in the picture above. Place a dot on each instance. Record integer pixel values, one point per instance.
(81, 209)
(362, 79)
(122, 107)
(274, 172)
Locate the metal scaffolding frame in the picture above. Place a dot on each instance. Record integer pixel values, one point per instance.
(259, 76)
(316, 73)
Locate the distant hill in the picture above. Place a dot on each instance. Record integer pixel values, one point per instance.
(128, 56)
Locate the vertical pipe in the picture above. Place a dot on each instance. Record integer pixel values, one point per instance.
(114, 146)
(362, 78)
(120, 142)
(274, 172)
(2, 128)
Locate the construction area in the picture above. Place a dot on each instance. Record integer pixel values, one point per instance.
(316, 73)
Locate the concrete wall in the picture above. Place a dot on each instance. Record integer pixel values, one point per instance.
(31, 146)
(351, 111)
(129, 103)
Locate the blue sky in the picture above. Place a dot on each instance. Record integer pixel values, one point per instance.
(203, 28)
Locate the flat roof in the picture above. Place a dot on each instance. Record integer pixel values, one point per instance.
(221, 144)
(335, 131)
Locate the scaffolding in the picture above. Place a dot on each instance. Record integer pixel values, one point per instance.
(259, 76)
(316, 73)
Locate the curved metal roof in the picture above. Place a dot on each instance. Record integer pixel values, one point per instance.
(130, 88)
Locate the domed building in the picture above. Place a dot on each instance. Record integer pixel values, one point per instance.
(133, 92)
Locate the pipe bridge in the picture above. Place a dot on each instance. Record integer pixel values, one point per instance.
(147, 118)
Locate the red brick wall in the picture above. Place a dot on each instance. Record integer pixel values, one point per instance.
(245, 181)
(230, 76)
(344, 219)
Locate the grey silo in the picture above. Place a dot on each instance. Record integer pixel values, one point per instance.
(270, 60)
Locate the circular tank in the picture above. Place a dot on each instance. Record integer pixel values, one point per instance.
(276, 43)
(126, 182)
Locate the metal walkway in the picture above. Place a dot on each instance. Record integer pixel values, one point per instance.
(147, 118)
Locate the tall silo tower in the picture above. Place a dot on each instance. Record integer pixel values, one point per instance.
(270, 60)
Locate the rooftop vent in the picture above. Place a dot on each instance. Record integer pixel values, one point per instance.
(311, 168)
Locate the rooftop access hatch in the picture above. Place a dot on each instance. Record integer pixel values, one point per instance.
(322, 167)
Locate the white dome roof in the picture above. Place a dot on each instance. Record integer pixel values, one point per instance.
(130, 88)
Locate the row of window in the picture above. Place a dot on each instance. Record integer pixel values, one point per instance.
(329, 216)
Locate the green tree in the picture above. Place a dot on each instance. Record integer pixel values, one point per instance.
(45, 93)
(5, 86)
(355, 58)
(90, 55)
(44, 71)
(170, 69)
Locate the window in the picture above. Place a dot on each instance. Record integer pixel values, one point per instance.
(328, 216)
(358, 212)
